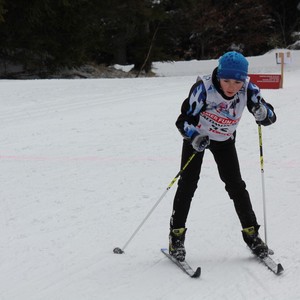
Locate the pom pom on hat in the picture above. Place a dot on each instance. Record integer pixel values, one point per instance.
(233, 65)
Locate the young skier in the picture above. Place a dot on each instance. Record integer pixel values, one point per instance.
(208, 120)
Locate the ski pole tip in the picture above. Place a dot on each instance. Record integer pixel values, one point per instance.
(118, 250)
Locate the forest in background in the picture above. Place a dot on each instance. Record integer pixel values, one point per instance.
(43, 36)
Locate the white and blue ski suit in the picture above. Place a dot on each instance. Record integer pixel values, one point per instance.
(207, 111)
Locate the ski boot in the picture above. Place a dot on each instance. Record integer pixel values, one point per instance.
(254, 242)
(176, 243)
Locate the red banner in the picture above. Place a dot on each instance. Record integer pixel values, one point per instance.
(266, 81)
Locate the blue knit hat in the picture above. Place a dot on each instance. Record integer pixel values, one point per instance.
(233, 65)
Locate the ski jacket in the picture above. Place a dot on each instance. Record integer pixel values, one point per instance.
(209, 112)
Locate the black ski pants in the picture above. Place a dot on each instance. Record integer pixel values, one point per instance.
(225, 156)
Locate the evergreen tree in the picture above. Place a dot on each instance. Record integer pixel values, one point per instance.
(129, 28)
(44, 35)
(47, 34)
(232, 25)
(287, 20)
(1, 11)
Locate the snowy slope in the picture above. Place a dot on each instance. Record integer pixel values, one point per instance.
(82, 163)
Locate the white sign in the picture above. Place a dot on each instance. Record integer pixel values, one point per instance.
(283, 57)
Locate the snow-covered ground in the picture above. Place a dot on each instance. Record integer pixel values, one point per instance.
(83, 162)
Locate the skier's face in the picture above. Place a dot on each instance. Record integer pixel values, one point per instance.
(231, 86)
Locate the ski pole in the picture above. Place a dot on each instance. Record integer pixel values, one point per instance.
(118, 250)
(262, 180)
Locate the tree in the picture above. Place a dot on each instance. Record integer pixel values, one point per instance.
(129, 28)
(287, 17)
(43, 35)
(2, 11)
(239, 24)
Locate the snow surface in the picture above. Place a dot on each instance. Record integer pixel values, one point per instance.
(83, 162)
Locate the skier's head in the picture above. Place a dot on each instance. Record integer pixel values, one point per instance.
(233, 65)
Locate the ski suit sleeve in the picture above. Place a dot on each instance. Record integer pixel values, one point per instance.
(190, 110)
(255, 99)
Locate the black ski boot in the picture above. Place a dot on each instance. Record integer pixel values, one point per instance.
(176, 243)
(254, 242)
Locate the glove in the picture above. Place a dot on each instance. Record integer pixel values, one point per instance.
(200, 142)
(260, 112)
